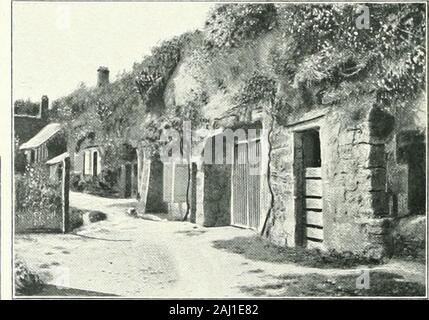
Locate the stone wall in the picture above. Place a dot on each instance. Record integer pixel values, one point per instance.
(355, 209)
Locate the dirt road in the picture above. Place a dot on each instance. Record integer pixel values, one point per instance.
(133, 257)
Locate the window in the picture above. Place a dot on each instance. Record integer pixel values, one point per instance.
(87, 163)
(91, 162)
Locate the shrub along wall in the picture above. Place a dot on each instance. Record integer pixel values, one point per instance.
(38, 201)
(104, 185)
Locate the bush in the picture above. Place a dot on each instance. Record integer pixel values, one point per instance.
(95, 216)
(104, 185)
(27, 283)
(38, 199)
(229, 25)
(76, 218)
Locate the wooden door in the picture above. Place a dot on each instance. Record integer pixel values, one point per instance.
(239, 186)
(245, 186)
(313, 189)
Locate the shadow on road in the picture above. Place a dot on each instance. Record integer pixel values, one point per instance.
(380, 284)
(258, 249)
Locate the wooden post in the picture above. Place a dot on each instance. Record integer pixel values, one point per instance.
(65, 186)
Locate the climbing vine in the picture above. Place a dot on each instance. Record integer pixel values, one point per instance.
(317, 52)
(230, 25)
(158, 67)
(326, 47)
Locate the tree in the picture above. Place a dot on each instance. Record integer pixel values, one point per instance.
(26, 107)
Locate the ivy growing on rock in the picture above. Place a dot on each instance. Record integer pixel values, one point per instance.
(326, 47)
(256, 88)
(316, 55)
(230, 25)
(158, 67)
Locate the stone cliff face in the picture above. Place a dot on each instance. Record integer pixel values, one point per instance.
(363, 186)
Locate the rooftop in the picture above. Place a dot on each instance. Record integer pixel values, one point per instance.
(42, 136)
(58, 159)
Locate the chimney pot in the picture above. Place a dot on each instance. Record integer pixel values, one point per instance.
(103, 76)
(44, 108)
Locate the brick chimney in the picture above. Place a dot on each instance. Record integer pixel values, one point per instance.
(103, 76)
(44, 108)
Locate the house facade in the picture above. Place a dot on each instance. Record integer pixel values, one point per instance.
(25, 127)
(46, 144)
(323, 182)
(88, 161)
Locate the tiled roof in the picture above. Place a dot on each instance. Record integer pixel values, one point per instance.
(58, 159)
(42, 136)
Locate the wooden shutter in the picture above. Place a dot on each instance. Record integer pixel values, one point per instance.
(87, 162)
(313, 207)
(168, 182)
(180, 182)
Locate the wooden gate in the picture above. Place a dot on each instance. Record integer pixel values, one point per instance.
(313, 207)
(246, 185)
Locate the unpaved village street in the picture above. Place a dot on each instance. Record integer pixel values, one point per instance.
(134, 257)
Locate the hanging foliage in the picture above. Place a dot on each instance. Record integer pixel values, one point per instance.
(158, 67)
(328, 48)
(230, 25)
(256, 88)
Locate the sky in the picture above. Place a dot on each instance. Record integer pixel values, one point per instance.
(56, 46)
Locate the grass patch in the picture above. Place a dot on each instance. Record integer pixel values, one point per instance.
(259, 249)
(380, 284)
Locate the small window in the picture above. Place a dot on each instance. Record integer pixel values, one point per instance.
(87, 163)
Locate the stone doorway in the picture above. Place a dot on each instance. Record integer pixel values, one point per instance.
(309, 188)
(246, 185)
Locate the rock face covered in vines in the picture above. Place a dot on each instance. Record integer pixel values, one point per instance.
(293, 55)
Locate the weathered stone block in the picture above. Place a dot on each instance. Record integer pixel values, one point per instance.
(281, 160)
(369, 155)
(378, 226)
(280, 138)
(375, 202)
